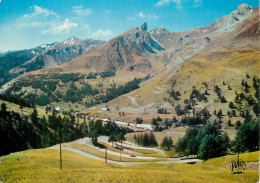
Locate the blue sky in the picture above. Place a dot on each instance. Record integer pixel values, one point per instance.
(28, 23)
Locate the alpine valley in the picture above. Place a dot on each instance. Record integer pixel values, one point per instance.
(157, 62)
(193, 93)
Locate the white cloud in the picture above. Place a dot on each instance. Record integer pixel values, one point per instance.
(62, 28)
(141, 15)
(102, 33)
(80, 11)
(179, 3)
(107, 11)
(138, 15)
(37, 10)
(166, 2)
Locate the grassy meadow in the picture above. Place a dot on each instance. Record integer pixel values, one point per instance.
(42, 165)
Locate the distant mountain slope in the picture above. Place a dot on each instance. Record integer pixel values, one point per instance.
(228, 65)
(48, 55)
(15, 59)
(183, 45)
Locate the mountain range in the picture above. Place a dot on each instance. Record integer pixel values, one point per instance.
(221, 52)
(15, 63)
(139, 49)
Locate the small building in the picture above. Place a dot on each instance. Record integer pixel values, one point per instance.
(57, 108)
(104, 109)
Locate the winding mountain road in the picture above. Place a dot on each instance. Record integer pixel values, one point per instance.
(88, 155)
(104, 139)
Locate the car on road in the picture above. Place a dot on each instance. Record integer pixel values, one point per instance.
(132, 155)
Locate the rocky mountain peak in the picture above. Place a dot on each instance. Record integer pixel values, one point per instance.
(143, 26)
(71, 40)
(243, 9)
(159, 30)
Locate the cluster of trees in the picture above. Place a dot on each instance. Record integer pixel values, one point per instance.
(66, 77)
(115, 137)
(243, 111)
(74, 94)
(179, 110)
(256, 83)
(219, 114)
(203, 113)
(195, 94)
(49, 93)
(238, 123)
(22, 132)
(157, 121)
(51, 85)
(22, 103)
(182, 111)
(218, 92)
(246, 103)
(48, 87)
(175, 94)
(209, 142)
(41, 100)
(231, 113)
(249, 100)
(206, 142)
(239, 97)
(145, 140)
(92, 76)
(167, 143)
(114, 91)
(256, 106)
(193, 120)
(247, 137)
(139, 120)
(106, 74)
(16, 134)
(110, 129)
(162, 111)
(245, 86)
